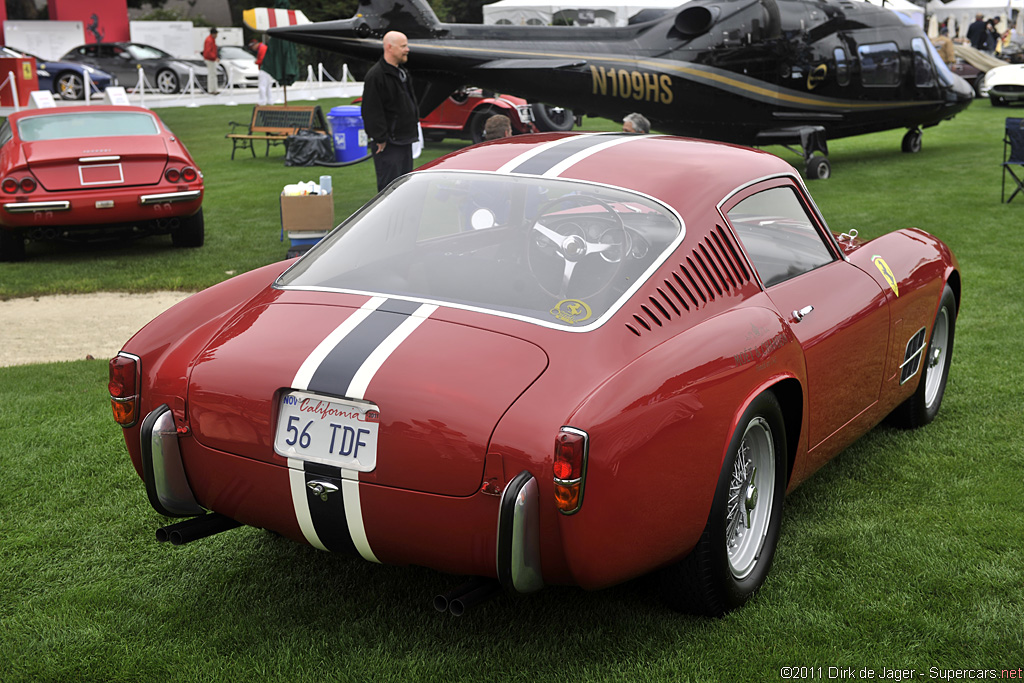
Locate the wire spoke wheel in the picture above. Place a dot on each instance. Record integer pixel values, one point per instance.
(751, 490)
(934, 379)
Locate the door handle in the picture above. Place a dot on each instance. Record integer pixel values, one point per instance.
(799, 315)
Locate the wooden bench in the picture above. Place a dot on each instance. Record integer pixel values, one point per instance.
(273, 124)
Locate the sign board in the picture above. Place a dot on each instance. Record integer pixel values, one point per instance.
(174, 37)
(41, 99)
(115, 94)
(44, 39)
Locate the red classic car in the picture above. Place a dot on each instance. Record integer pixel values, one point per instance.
(554, 359)
(73, 172)
(465, 112)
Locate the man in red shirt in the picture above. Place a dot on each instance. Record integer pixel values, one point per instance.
(265, 79)
(210, 56)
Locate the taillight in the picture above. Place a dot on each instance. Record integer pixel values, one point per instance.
(124, 389)
(173, 175)
(570, 469)
(10, 185)
(189, 174)
(28, 185)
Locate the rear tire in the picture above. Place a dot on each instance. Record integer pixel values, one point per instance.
(818, 168)
(12, 245)
(731, 560)
(923, 406)
(192, 232)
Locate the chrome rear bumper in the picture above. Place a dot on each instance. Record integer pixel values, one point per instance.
(519, 535)
(166, 484)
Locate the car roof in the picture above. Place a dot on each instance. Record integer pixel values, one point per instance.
(668, 168)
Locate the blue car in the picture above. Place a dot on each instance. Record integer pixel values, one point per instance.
(65, 79)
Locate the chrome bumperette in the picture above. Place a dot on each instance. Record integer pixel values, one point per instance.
(163, 471)
(32, 207)
(518, 553)
(170, 197)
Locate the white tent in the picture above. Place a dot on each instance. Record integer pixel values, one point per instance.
(904, 6)
(578, 12)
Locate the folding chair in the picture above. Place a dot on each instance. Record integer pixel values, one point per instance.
(1013, 155)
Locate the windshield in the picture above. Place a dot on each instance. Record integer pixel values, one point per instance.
(139, 51)
(86, 125)
(945, 75)
(235, 52)
(557, 252)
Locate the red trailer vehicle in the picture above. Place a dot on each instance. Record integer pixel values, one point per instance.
(554, 359)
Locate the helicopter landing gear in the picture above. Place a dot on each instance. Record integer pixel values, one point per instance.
(813, 147)
(912, 141)
(818, 168)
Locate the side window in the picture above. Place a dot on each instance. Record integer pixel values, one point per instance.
(778, 234)
(924, 75)
(879, 64)
(6, 133)
(842, 66)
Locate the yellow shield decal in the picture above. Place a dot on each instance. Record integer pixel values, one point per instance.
(886, 272)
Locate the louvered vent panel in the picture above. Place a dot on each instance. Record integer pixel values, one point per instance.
(712, 270)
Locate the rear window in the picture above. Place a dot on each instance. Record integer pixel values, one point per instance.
(561, 253)
(86, 125)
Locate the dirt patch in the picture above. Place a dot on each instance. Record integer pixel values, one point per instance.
(63, 327)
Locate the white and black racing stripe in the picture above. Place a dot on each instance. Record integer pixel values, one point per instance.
(554, 158)
(343, 365)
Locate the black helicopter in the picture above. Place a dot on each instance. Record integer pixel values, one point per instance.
(752, 72)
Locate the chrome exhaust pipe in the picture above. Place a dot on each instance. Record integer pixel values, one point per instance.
(472, 593)
(195, 528)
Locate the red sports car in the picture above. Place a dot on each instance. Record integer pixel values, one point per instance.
(73, 172)
(558, 359)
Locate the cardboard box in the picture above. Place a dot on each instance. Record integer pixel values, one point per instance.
(308, 212)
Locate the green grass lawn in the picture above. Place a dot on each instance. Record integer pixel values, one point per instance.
(906, 552)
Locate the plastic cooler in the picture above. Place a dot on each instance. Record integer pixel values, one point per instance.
(347, 131)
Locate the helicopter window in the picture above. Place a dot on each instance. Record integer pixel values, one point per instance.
(777, 232)
(924, 76)
(879, 64)
(842, 66)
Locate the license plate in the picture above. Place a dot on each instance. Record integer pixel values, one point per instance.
(332, 431)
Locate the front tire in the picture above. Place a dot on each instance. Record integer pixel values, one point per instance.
(191, 233)
(923, 406)
(731, 560)
(167, 82)
(70, 86)
(478, 122)
(912, 141)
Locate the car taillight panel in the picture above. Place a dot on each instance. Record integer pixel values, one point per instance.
(570, 469)
(187, 174)
(123, 386)
(11, 185)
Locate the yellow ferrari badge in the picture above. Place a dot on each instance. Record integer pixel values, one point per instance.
(886, 272)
